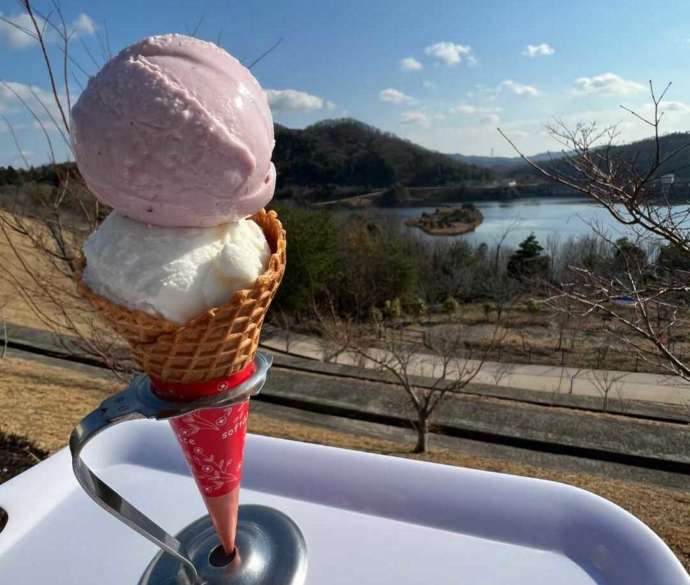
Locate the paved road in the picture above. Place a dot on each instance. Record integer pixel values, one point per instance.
(549, 379)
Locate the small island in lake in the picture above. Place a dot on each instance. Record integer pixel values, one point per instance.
(449, 221)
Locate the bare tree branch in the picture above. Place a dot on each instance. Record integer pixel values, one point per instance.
(630, 190)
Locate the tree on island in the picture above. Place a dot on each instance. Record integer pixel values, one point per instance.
(528, 262)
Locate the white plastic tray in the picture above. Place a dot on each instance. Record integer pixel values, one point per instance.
(367, 519)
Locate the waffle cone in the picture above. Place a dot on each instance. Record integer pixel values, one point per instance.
(213, 345)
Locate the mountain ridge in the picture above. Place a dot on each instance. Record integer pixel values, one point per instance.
(348, 155)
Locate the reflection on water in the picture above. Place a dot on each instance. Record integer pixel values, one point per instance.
(562, 218)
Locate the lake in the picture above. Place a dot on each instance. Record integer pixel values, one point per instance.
(560, 217)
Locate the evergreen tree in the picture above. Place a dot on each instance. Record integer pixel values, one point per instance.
(628, 256)
(528, 262)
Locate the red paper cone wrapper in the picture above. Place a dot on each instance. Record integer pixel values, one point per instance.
(212, 441)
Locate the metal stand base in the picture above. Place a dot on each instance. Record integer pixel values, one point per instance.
(271, 551)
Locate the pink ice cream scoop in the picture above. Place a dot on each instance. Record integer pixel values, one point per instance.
(176, 132)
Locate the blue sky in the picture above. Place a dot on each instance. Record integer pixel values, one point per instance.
(469, 66)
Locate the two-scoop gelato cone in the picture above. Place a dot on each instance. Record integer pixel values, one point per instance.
(176, 135)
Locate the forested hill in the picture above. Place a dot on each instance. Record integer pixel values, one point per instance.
(45, 174)
(640, 154)
(346, 153)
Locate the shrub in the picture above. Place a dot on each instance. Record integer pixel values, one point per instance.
(672, 258)
(376, 315)
(628, 256)
(392, 309)
(450, 306)
(417, 307)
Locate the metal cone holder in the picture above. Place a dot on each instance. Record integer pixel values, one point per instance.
(270, 549)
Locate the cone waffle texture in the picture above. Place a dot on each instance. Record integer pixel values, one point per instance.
(213, 345)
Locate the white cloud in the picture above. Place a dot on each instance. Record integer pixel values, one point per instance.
(292, 100)
(17, 30)
(490, 119)
(16, 126)
(83, 25)
(415, 118)
(450, 53)
(519, 88)
(481, 137)
(464, 109)
(410, 64)
(12, 32)
(483, 92)
(470, 109)
(12, 93)
(541, 50)
(607, 84)
(394, 96)
(675, 106)
(428, 84)
(16, 98)
(488, 115)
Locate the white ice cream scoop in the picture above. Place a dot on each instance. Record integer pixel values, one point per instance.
(175, 273)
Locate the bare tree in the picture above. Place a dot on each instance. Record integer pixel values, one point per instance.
(562, 319)
(499, 244)
(443, 364)
(605, 382)
(633, 192)
(502, 290)
(284, 322)
(44, 226)
(553, 247)
(574, 375)
(5, 340)
(526, 344)
(500, 371)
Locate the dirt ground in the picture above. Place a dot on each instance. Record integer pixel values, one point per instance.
(42, 403)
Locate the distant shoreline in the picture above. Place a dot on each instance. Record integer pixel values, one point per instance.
(453, 194)
(453, 197)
